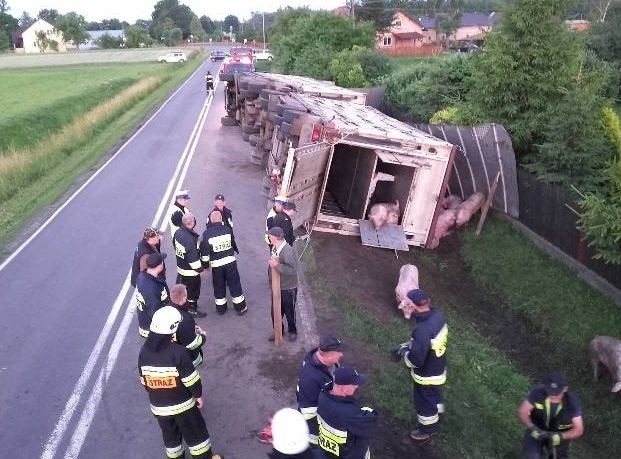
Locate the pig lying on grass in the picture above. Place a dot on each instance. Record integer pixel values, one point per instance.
(408, 280)
(607, 350)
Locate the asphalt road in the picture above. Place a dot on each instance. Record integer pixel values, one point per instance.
(67, 389)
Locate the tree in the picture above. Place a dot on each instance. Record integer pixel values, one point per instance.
(5, 42)
(196, 29)
(113, 24)
(107, 41)
(137, 37)
(322, 30)
(4, 6)
(207, 24)
(43, 42)
(73, 27)
(26, 20)
(380, 12)
(144, 23)
(175, 36)
(526, 66)
(49, 15)
(231, 23)
(605, 36)
(601, 8)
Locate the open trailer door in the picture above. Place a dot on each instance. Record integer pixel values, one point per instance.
(304, 177)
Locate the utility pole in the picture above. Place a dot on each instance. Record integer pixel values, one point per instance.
(263, 15)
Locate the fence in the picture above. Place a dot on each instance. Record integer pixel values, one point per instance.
(425, 50)
(549, 211)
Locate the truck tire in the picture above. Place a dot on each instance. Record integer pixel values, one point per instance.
(228, 121)
(250, 129)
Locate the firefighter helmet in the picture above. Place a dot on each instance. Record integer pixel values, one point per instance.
(165, 321)
(289, 432)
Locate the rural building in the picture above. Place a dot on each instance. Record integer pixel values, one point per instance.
(341, 11)
(95, 35)
(411, 35)
(26, 39)
(578, 25)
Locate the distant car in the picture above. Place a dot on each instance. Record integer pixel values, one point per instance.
(173, 57)
(218, 55)
(233, 65)
(262, 54)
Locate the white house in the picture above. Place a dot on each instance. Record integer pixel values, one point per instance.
(26, 40)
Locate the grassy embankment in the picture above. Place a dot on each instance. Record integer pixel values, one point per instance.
(514, 314)
(59, 121)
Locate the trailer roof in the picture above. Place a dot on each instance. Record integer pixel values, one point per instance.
(300, 84)
(368, 122)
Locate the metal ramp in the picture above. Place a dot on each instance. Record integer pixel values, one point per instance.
(386, 237)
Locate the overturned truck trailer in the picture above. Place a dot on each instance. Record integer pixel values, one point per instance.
(335, 159)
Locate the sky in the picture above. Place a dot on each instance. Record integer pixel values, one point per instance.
(130, 10)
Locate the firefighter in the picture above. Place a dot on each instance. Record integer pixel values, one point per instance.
(189, 265)
(151, 291)
(278, 202)
(317, 375)
(285, 261)
(552, 417)
(425, 355)
(209, 80)
(189, 335)
(345, 429)
(283, 219)
(150, 243)
(227, 216)
(178, 209)
(174, 388)
(217, 253)
(289, 436)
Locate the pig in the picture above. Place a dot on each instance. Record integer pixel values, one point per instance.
(446, 220)
(383, 213)
(469, 207)
(452, 202)
(408, 280)
(607, 350)
(378, 215)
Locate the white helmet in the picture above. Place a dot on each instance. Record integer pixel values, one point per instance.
(289, 432)
(165, 321)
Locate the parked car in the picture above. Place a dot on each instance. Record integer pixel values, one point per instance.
(173, 57)
(218, 55)
(262, 54)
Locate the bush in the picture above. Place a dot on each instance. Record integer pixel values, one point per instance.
(358, 67)
(313, 61)
(424, 89)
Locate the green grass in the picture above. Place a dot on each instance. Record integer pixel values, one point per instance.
(67, 162)
(490, 287)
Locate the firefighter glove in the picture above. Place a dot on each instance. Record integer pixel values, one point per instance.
(555, 438)
(539, 434)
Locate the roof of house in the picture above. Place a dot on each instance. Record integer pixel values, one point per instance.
(341, 11)
(19, 32)
(465, 20)
(407, 35)
(97, 34)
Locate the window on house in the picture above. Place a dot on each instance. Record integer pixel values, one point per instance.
(387, 41)
(397, 23)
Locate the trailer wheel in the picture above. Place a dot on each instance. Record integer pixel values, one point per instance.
(250, 129)
(228, 121)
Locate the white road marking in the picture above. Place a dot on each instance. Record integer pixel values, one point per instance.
(51, 446)
(90, 179)
(90, 408)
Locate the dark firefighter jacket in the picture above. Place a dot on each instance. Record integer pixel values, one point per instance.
(167, 374)
(217, 245)
(186, 251)
(345, 429)
(427, 355)
(188, 337)
(151, 294)
(143, 248)
(314, 378)
(176, 213)
(551, 417)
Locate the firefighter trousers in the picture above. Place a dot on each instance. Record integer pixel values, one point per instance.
(193, 286)
(428, 400)
(189, 426)
(223, 276)
(288, 300)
